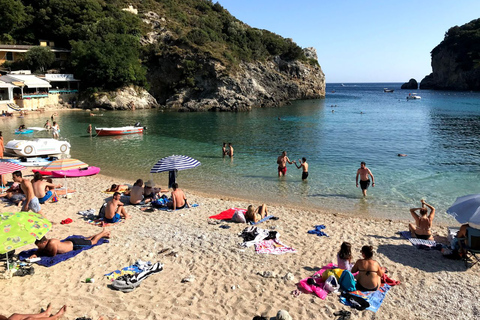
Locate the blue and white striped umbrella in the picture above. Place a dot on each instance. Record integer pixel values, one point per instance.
(173, 163)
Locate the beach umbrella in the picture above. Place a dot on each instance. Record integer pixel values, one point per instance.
(174, 163)
(65, 164)
(21, 228)
(466, 209)
(9, 167)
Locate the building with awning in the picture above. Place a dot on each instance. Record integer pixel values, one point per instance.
(6, 92)
(30, 85)
(62, 83)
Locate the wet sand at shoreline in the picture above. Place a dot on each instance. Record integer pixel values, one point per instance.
(227, 283)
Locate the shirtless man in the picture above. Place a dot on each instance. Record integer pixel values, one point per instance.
(40, 188)
(136, 193)
(282, 164)
(224, 149)
(423, 223)
(115, 209)
(364, 172)
(52, 247)
(230, 150)
(179, 201)
(304, 165)
(31, 202)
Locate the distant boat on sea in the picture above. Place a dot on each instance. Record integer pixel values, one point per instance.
(387, 90)
(343, 85)
(413, 96)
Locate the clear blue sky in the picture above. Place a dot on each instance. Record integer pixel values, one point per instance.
(361, 41)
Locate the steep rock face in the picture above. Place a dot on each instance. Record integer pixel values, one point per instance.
(449, 75)
(127, 98)
(257, 84)
(412, 84)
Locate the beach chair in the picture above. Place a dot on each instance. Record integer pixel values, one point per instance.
(471, 247)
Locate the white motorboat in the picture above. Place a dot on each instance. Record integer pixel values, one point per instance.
(413, 96)
(37, 147)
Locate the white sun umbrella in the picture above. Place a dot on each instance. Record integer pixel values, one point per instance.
(466, 209)
(175, 163)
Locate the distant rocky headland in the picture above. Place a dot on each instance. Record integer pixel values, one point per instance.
(456, 60)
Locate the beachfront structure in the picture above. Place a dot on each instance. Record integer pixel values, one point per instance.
(15, 52)
(29, 92)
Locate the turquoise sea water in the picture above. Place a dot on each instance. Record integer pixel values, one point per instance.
(439, 133)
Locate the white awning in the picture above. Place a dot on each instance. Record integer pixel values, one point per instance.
(6, 85)
(59, 77)
(29, 80)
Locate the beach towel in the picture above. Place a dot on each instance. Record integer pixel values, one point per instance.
(375, 298)
(100, 222)
(51, 261)
(263, 220)
(227, 214)
(133, 269)
(272, 246)
(417, 242)
(63, 191)
(318, 231)
(193, 205)
(316, 288)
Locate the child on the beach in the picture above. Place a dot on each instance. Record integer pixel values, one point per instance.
(344, 256)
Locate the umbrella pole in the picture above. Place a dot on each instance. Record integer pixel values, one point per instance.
(8, 264)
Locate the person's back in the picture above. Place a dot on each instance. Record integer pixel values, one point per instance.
(39, 188)
(179, 196)
(136, 193)
(369, 271)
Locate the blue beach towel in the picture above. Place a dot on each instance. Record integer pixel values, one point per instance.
(318, 231)
(260, 221)
(193, 205)
(51, 261)
(417, 242)
(375, 298)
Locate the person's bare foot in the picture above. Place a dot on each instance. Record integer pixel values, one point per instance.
(61, 311)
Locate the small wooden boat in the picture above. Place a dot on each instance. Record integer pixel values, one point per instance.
(73, 173)
(118, 130)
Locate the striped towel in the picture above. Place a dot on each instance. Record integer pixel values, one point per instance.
(416, 241)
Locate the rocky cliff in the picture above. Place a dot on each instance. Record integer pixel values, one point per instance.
(455, 61)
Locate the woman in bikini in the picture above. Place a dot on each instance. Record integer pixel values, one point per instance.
(422, 229)
(256, 215)
(370, 273)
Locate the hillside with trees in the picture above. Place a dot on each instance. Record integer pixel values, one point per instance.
(181, 51)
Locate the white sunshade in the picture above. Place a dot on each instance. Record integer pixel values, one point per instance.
(30, 81)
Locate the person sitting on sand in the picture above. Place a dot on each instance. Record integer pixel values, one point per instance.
(43, 190)
(369, 277)
(136, 193)
(256, 215)
(115, 209)
(47, 314)
(150, 191)
(52, 247)
(344, 256)
(424, 223)
(178, 199)
(31, 202)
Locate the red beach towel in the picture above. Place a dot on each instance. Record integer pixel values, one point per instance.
(225, 215)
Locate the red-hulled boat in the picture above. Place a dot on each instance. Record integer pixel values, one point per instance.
(118, 131)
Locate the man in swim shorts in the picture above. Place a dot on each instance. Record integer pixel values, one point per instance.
(364, 172)
(282, 163)
(31, 202)
(115, 209)
(52, 247)
(304, 165)
(42, 189)
(179, 201)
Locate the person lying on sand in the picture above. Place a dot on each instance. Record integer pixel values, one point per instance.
(256, 215)
(179, 201)
(14, 197)
(52, 247)
(369, 277)
(115, 209)
(424, 223)
(117, 188)
(37, 316)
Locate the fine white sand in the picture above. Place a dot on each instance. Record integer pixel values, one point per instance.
(227, 284)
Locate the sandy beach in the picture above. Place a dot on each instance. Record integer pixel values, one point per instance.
(227, 282)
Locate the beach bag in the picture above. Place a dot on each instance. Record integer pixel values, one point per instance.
(331, 284)
(160, 202)
(337, 272)
(101, 212)
(55, 197)
(239, 217)
(347, 281)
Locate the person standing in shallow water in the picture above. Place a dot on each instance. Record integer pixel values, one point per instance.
(282, 164)
(224, 149)
(304, 166)
(364, 172)
(230, 149)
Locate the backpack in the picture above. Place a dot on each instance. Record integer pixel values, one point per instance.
(101, 212)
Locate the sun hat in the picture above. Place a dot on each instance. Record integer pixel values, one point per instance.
(283, 315)
(150, 184)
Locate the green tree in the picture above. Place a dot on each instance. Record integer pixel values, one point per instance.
(109, 63)
(39, 58)
(12, 13)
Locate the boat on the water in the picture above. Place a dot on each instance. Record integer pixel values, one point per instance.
(413, 96)
(37, 147)
(114, 131)
(387, 90)
(73, 173)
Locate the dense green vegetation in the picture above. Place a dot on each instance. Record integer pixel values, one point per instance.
(105, 41)
(464, 42)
